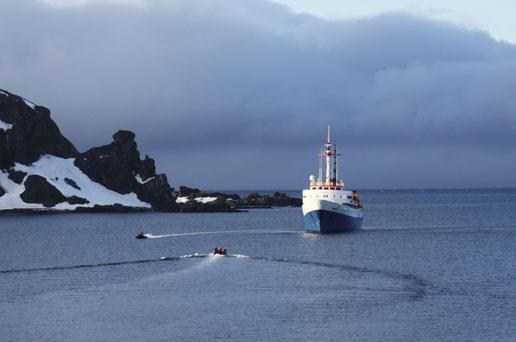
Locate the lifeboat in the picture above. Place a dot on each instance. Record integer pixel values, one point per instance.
(141, 235)
(219, 251)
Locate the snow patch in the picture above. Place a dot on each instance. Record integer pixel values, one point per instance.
(55, 170)
(141, 181)
(5, 126)
(183, 199)
(30, 104)
(205, 199)
(4, 93)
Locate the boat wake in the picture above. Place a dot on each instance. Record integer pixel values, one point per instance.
(416, 286)
(121, 263)
(221, 232)
(62, 268)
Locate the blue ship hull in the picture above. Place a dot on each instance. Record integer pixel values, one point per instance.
(329, 222)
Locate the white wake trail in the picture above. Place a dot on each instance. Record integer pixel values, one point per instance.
(159, 236)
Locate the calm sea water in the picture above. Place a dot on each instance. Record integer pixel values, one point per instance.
(427, 266)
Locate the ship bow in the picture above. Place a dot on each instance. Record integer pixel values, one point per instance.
(329, 222)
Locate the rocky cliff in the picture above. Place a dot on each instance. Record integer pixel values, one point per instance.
(27, 132)
(118, 167)
(41, 170)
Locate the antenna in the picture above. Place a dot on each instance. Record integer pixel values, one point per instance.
(335, 163)
(327, 154)
(320, 167)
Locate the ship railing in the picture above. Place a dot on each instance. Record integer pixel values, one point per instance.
(320, 186)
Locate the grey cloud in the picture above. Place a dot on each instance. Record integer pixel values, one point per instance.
(199, 81)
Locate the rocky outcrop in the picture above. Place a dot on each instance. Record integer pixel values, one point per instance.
(2, 191)
(16, 176)
(219, 205)
(187, 191)
(72, 183)
(33, 133)
(77, 200)
(113, 165)
(191, 200)
(195, 193)
(277, 199)
(158, 193)
(38, 190)
(115, 208)
(118, 167)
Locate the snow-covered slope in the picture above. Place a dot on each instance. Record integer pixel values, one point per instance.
(55, 170)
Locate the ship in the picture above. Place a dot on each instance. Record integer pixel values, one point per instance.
(328, 207)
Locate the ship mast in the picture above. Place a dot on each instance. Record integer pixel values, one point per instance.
(331, 173)
(335, 164)
(319, 180)
(328, 157)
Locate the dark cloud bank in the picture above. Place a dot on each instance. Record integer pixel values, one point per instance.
(237, 94)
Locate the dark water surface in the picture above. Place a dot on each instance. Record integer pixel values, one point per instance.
(428, 266)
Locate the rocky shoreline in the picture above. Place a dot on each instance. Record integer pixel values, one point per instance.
(41, 171)
(194, 200)
(223, 203)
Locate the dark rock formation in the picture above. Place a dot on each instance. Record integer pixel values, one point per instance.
(2, 191)
(187, 191)
(265, 201)
(225, 196)
(194, 192)
(147, 168)
(38, 190)
(118, 167)
(17, 176)
(77, 200)
(219, 205)
(282, 200)
(158, 193)
(33, 133)
(72, 183)
(115, 165)
(115, 208)
(233, 202)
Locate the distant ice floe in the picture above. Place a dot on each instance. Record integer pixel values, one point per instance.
(55, 170)
(5, 126)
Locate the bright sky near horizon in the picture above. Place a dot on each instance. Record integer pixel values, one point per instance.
(496, 16)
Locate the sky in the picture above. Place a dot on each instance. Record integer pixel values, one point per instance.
(228, 94)
(495, 16)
